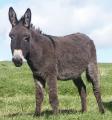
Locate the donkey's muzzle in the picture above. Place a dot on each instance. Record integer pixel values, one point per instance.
(17, 61)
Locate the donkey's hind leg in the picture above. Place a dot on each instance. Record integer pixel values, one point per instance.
(92, 76)
(82, 92)
(39, 94)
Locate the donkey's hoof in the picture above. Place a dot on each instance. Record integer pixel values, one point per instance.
(37, 114)
(102, 111)
(83, 110)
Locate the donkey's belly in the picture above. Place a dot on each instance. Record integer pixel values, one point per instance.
(67, 76)
(70, 73)
(71, 67)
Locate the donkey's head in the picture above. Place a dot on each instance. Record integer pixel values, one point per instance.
(20, 36)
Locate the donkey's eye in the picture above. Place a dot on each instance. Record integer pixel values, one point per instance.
(26, 38)
(12, 37)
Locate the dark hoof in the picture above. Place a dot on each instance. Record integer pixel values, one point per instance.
(102, 111)
(37, 114)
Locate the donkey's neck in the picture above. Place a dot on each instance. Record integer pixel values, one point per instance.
(41, 45)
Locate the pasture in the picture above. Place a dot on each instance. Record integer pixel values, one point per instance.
(17, 96)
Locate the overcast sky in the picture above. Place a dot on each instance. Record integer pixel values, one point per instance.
(62, 17)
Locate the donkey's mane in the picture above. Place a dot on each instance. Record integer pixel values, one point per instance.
(37, 30)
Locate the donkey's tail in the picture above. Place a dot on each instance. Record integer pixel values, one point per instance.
(92, 72)
(88, 76)
(92, 68)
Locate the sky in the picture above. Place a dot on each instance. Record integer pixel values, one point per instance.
(63, 17)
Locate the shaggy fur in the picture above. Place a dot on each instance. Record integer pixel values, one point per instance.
(53, 58)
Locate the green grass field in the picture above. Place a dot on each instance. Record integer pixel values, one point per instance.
(17, 96)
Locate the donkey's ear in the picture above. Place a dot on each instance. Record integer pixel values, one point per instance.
(27, 18)
(12, 17)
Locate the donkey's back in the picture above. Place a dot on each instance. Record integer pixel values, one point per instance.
(74, 53)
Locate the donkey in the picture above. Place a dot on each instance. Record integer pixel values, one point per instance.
(53, 58)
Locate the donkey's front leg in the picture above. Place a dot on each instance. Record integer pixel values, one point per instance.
(52, 89)
(39, 94)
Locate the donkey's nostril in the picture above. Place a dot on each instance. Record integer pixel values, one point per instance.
(17, 61)
(14, 59)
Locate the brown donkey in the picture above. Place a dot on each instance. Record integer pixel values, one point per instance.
(51, 58)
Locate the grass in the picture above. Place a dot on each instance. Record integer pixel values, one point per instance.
(17, 100)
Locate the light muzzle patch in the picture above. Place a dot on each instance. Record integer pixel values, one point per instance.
(18, 53)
